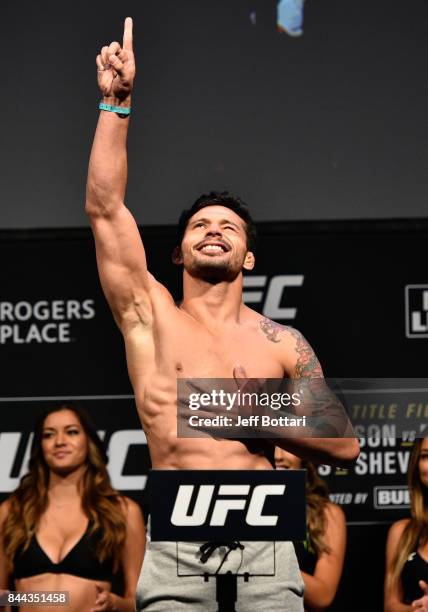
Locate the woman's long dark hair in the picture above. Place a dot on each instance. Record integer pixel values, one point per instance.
(316, 501)
(100, 502)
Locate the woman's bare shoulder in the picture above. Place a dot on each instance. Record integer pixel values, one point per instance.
(130, 508)
(398, 527)
(334, 512)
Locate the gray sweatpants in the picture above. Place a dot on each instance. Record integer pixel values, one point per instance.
(171, 577)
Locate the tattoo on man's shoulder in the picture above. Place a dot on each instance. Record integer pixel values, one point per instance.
(307, 364)
(271, 329)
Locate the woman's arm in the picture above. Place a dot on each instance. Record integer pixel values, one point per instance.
(133, 552)
(321, 588)
(132, 560)
(393, 597)
(4, 575)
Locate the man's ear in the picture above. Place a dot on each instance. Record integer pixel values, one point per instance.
(176, 256)
(250, 261)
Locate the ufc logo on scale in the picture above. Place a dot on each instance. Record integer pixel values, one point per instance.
(181, 517)
(211, 505)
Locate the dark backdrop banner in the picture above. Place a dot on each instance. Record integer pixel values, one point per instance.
(357, 290)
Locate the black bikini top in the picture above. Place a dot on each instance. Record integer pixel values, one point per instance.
(80, 561)
(415, 569)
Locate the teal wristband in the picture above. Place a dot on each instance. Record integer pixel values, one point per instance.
(120, 110)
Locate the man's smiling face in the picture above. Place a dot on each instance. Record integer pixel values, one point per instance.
(214, 245)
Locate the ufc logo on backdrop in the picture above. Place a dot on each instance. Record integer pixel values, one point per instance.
(270, 293)
(254, 516)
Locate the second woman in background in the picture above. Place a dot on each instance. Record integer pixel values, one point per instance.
(407, 545)
(321, 556)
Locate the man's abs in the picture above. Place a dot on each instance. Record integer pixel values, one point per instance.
(176, 349)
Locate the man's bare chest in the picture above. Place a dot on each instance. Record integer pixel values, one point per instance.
(199, 353)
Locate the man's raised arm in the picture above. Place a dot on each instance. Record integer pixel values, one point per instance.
(120, 252)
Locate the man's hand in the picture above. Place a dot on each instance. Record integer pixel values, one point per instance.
(116, 66)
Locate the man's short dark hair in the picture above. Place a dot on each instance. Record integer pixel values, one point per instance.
(220, 198)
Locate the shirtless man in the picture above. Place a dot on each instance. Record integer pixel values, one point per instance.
(211, 334)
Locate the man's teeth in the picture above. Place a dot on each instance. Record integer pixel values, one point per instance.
(213, 248)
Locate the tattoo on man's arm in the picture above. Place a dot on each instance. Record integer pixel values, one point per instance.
(307, 364)
(320, 403)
